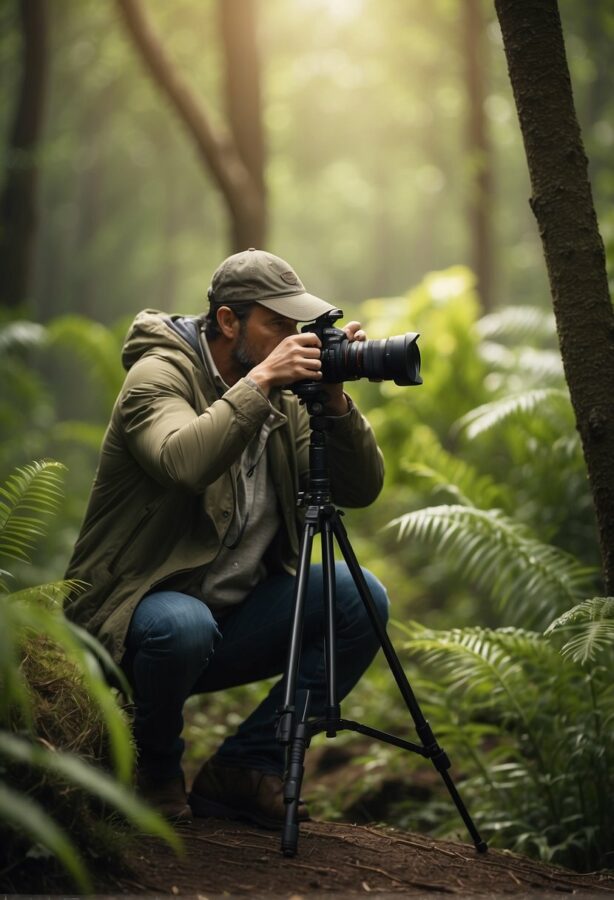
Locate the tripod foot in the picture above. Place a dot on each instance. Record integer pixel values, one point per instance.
(294, 775)
(289, 839)
(481, 847)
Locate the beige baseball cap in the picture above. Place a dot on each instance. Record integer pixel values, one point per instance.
(255, 276)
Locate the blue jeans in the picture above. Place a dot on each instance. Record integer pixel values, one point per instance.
(176, 648)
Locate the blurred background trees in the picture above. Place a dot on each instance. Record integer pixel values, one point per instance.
(377, 148)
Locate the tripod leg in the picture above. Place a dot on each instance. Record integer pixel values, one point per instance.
(286, 713)
(333, 710)
(435, 753)
(294, 774)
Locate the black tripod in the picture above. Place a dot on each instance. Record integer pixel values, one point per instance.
(294, 728)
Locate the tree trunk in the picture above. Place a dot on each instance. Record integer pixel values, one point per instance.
(18, 200)
(478, 151)
(243, 101)
(216, 148)
(242, 72)
(563, 206)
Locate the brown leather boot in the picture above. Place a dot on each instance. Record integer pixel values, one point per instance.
(167, 796)
(231, 792)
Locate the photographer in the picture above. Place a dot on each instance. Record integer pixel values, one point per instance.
(191, 535)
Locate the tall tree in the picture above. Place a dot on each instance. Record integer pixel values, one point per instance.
(479, 151)
(236, 164)
(563, 206)
(18, 200)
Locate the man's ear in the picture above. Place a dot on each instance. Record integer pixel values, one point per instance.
(228, 323)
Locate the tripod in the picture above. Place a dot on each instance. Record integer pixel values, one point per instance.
(294, 728)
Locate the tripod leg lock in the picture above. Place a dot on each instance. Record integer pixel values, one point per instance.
(434, 752)
(439, 758)
(285, 727)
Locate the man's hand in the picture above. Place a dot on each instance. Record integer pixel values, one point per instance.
(296, 358)
(337, 404)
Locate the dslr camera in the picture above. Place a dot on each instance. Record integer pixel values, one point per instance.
(390, 359)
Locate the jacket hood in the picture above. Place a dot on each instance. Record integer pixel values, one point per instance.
(152, 330)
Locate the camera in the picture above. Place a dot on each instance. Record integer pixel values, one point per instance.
(390, 359)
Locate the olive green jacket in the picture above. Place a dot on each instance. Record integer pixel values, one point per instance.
(163, 496)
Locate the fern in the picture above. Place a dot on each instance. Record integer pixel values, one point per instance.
(21, 335)
(516, 406)
(485, 665)
(96, 345)
(530, 729)
(35, 488)
(518, 324)
(500, 556)
(30, 494)
(449, 474)
(526, 363)
(592, 625)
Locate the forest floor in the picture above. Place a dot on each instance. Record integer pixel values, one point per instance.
(231, 859)
(338, 859)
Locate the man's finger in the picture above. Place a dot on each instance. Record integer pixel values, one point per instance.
(308, 338)
(354, 332)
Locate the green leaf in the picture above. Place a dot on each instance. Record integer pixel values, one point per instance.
(490, 415)
(501, 556)
(592, 625)
(34, 488)
(23, 814)
(518, 324)
(94, 781)
(446, 472)
(55, 626)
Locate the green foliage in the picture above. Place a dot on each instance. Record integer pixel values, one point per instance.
(82, 360)
(33, 489)
(32, 617)
(591, 626)
(530, 725)
(501, 557)
(516, 407)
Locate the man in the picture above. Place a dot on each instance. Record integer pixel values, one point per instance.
(190, 539)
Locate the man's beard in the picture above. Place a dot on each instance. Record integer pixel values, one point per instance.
(242, 353)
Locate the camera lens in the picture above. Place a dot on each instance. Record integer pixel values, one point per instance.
(391, 359)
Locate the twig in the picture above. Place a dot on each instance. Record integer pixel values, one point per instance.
(428, 847)
(513, 877)
(227, 844)
(377, 871)
(320, 869)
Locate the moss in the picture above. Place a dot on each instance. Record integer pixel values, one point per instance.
(65, 719)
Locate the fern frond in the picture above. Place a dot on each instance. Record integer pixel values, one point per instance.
(592, 625)
(500, 556)
(528, 363)
(96, 345)
(486, 665)
(542, 365)
(518, 324)
(489, 415)
(51, 595)
(447, 473)
(35, 488)
(21, 335)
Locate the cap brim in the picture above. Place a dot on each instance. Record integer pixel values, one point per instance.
(301, 307)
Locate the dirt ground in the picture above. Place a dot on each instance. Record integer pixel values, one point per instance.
(228, 858)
